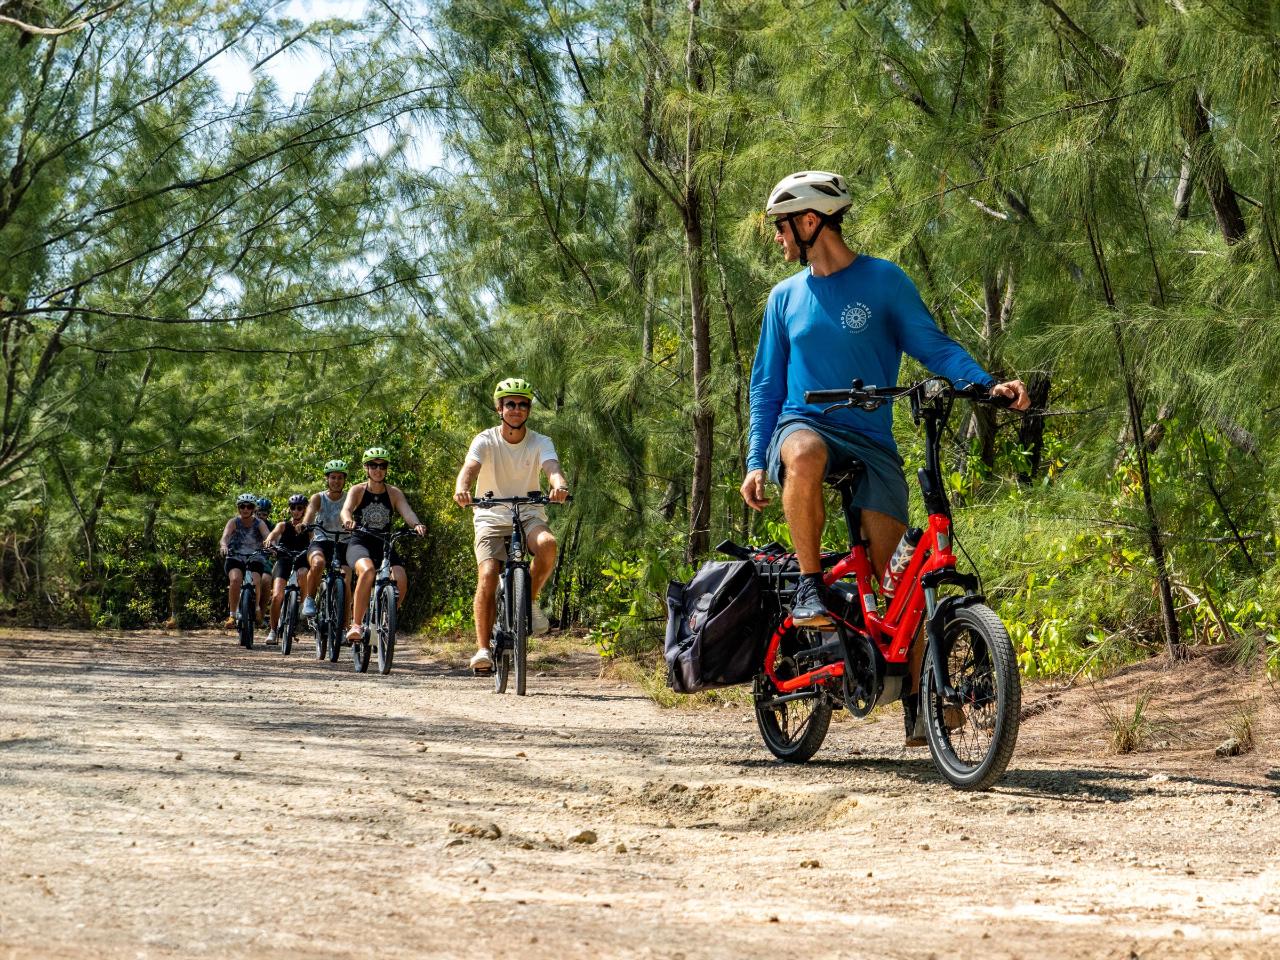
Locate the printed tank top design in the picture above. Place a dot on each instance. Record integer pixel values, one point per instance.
(373, 512)
(245, 540)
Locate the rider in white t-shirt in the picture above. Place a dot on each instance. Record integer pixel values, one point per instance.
(508, 460)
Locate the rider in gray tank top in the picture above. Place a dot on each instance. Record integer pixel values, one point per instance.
(327, 518)
(246, 541)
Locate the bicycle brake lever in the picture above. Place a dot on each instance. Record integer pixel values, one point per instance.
(838, 406)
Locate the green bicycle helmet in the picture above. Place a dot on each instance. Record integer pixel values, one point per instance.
(375, 453)
(335, 466)
(513, 387)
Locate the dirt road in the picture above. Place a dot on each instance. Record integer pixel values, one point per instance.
(174, 796)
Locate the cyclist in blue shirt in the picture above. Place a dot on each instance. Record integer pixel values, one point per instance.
(849, 315)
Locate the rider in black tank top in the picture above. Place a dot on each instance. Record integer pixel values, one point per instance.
(374, 512)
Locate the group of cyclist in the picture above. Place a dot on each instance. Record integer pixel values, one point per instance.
(847, 316)
(506, 460)
(333, 519)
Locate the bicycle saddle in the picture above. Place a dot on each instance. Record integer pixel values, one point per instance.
(846, 477)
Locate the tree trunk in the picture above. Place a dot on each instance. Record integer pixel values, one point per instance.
(1031, 427)
(1186, 187)
(700, 319)
(1208, 164)
(1155, 538)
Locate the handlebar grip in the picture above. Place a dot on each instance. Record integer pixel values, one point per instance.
(827, 396)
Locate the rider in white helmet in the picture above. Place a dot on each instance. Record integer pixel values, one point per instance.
(848, 316)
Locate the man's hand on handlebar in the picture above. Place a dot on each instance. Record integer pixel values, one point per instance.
(753, 490)
(462, 498)
(420, 529)
(1016, 391)
(558, 494)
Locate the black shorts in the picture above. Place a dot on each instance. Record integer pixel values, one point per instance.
(325, 547)
(281, 570)
(256, 564)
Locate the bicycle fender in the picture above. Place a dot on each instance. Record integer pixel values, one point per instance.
(933, 632)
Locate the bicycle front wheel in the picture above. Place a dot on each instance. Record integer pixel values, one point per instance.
(360, 648)
(385, 628)
(973, 740)
(336, 614)
(248, 613)
(288, 622)
(520, 614)
(500, 651)
(320, 622)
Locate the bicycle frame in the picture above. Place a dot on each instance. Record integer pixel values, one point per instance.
(915, 601)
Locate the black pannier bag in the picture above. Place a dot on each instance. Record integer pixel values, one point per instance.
(716, 629)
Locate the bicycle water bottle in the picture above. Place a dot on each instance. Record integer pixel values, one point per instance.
(899, 561)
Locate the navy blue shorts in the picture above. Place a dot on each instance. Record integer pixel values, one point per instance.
(883, 487)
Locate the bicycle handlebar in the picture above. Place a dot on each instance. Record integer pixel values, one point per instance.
(537, 498)
(390, 536)
(872, 398)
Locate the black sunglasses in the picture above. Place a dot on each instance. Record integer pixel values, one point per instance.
(246, 506)
(380, 465)
(517, 405)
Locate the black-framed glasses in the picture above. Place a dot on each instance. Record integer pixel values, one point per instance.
(380, 465)
(516, 405)
(779, 223)
(245, 506)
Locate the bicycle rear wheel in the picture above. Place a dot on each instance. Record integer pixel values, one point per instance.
(248, 613)
(385, 628)
(337, 613)
(288, 622)
(520, 613)
(972, 742)
(793, 729)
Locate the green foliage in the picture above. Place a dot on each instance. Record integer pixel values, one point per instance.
(199, 298)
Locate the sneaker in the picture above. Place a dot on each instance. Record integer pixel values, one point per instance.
(540, 622)
(230, 622)
(309, 607)
(481, 662)
(271, 638)
(913, 721)
(807, 607)
(355, 634)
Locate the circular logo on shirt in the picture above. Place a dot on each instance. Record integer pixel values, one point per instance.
(855, 316)
(377, 516)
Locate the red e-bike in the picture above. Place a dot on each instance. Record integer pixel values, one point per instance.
(969, 687)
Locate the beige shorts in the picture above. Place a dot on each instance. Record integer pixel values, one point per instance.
(491, 542)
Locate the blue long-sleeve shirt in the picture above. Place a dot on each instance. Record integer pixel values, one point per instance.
(820, 333)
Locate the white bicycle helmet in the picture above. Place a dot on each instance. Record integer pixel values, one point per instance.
(816, 190)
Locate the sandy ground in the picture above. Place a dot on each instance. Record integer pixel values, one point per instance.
(165, 796)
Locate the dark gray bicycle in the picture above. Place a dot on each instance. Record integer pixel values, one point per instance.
(509, 643)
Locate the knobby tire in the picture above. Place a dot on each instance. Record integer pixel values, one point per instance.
(337, 612)
(971, 745)
(520, 611)
(501, 654)
(385, 628)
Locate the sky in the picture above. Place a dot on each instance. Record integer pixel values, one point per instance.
(295, 70)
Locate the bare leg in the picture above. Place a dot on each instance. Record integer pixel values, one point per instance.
(544, 559)
(402, 584)
(313, 576)
(277, 601)
(365, 573)
(804, 457)
(485, 606)
(234, 579)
